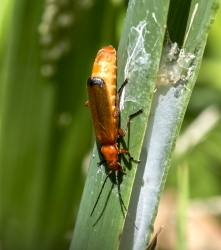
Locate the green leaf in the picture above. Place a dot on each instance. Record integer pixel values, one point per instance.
(138, 58)
(168, 108)
(45, 131)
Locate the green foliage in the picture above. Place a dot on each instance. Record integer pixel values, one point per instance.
(46, 52)
(42, 140)
(141, 57)
(204, 157)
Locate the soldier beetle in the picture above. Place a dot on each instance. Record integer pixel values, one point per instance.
(104, 105)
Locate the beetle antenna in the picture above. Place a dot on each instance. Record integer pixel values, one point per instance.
(101, 192)
(121, 199)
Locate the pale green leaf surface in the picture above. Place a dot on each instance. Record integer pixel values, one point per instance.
(167, 112)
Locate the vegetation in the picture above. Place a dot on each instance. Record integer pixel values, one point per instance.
(46, 53)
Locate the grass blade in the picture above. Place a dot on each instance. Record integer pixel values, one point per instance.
(138, 58)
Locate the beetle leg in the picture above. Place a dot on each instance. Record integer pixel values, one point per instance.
(131, 116)
(122, 132)
(101, 162)
(122, 86)
(126, 152)
(117, 111)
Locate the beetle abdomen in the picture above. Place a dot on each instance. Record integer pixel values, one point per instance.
(105, 68)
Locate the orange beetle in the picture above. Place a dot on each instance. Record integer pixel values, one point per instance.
(104, 105)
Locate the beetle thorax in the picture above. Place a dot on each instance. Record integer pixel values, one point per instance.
(110, 153)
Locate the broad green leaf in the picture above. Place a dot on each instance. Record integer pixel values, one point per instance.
(138, 59)
(167, 112)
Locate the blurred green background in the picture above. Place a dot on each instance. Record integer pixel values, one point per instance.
(46, 53)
